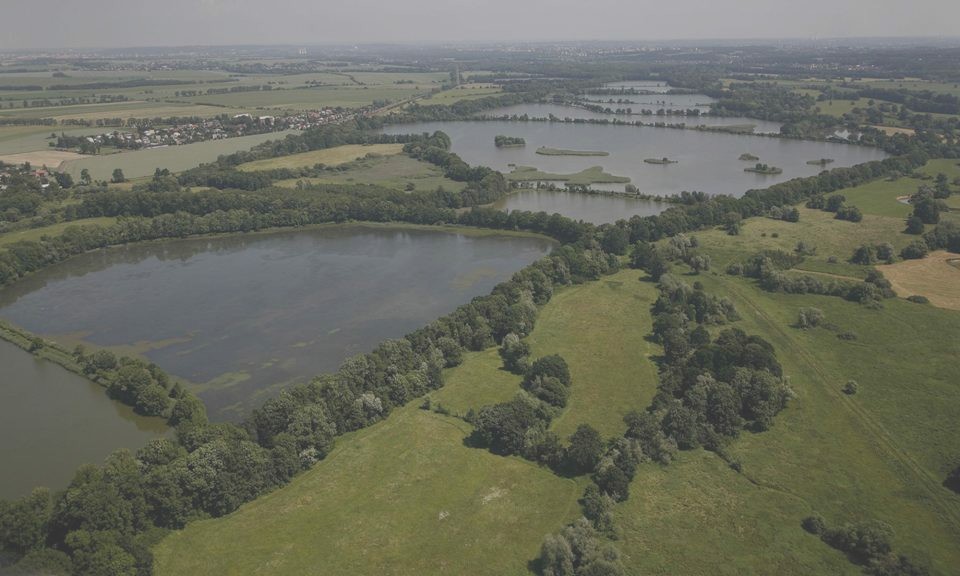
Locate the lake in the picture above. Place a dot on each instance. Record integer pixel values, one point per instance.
(52, 421)
(242, 316)
(707, 161)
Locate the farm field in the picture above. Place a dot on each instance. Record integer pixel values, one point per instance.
(19, 139)
(328, 156)
(49, 158)
(937, 277)
(463, 92)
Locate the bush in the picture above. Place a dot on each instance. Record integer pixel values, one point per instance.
(814, 524)
(917, 299)
(915, 250)
(834, 202)
(850, 388)
(810, 318)
(914, 225)
(865, 541)
(847, 335)
(849, 213)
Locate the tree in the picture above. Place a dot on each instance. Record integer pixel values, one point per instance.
(585, 450)
(615, 240)
(809, 318)
(866, 541)
(598, 508)
(953, 480)
(915, 250)
(118, 176)
(814, 524)
(515, 353)
(85, 176)
(614, 482)
(553, 365)
(23, 522)
(914, 224)
(64, 179)
(556, 557)
(834, 202)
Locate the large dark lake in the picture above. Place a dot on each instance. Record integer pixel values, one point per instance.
(241, 316)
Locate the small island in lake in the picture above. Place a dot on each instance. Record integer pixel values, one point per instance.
(501, 141)
(820, 162)
(764, 169)
(747, 157)
(544, 151)
(592, 175)
(663, 160)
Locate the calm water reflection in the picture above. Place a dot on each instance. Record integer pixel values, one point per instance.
(240, 316)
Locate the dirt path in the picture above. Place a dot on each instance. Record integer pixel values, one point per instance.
(826, 274)
(913, 470)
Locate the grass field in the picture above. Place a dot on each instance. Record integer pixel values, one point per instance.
(610, 360)
(329, 156)
(937, 277)
(350, 96)
(402, 497)
(463, 92)
(34, 234)
(140, 109)
(19, 139)
(395, 171)
(879, 454)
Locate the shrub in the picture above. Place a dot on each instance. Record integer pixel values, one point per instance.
(917, 299)
(834, 202)
(847, 335)
(915, 250)
(850, 388)
(849, 213)
(814, 524)
(810, 318)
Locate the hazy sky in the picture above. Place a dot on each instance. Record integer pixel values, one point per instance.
(109, 23)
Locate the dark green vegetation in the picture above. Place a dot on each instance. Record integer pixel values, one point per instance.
(544, 151)
(509, 142)
(592, 175)
(764, 169)
(663, 160)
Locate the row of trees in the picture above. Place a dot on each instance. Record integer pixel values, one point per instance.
(771, 268)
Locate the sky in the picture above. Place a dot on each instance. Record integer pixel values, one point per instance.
(32, 24)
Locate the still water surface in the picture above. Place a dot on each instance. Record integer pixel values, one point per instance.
(241, 316)
(52, 421)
